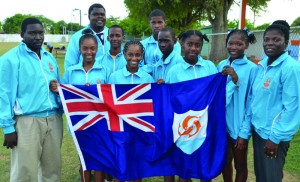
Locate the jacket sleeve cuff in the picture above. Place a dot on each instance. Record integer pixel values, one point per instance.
(273, 139)
(244, 136)
(9, 129)
(231, 85)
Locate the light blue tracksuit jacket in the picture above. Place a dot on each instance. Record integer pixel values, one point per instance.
(274, 99)
(162, 67)
(236, 96)
(123, 76)
(184, 71)
(113, 64)
(24, 85)
(153, 53)
(76, 75)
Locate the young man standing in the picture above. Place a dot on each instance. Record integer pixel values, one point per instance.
(97, 17)
(30, 113)
(114, 59)
(157, 20)
(166, 42)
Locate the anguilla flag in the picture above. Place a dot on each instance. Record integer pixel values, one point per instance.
(138, 131)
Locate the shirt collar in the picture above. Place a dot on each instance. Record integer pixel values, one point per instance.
(240, 61)
(167, 60)
(200, 62)
(281, 58)
(127, 73)
(42, 50)
(152, 40)
(79, 66)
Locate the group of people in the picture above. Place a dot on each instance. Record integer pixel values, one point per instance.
(262, 100)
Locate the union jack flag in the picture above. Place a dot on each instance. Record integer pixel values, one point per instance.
(91, 105)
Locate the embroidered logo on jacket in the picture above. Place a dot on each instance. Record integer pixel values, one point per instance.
(267, 83)
(50, 66)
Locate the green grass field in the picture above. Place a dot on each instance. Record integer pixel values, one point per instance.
(70, 162)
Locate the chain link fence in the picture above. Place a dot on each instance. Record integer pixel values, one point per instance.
(255, 52)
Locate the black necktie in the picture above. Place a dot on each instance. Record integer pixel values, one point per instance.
(100, 35)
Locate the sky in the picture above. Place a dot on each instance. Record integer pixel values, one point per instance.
(57, 10)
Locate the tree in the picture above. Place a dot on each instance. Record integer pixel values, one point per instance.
(49, 25)
(112, 21)
(0, 26)
(12, 24)
(235, 24)
(296, 22)
(135, 29)
(262, 27)
(73, 27)
(257, 7)
(61, 25)
(186, 14)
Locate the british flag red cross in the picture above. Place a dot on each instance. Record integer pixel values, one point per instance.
(105, 104)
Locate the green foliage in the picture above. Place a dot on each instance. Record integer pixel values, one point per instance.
(12, 25)
(135, 29)
(235, 24)
(296, 22)
(181, 15)
(257, 6)
(188, 14)
(49, 25)
(0, 26)
(73, 27)
(112, 21)
(262, 27)
(61, 25)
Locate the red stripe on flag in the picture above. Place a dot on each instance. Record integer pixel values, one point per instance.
(88, 124)
(86, 107)
(132, 92)
(142, 123)
(79, 93)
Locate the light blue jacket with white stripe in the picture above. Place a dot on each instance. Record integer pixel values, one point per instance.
(76, 75)
(184, 71)
(113, 64)
(274, 107)
(24, 85)
(236, 96)
(73, 55)
(153, 53)
(162, 67)
(123, 76)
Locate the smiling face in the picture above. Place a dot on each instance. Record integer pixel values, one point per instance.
(97, 19)
(236, 46)
(274, 44)
(192, 47)
(133, 56)
(88, 49)
(33, 37)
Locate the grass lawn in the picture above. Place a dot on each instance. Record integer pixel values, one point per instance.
(70, 162)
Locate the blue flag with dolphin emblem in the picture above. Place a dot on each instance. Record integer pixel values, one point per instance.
(140, 131)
